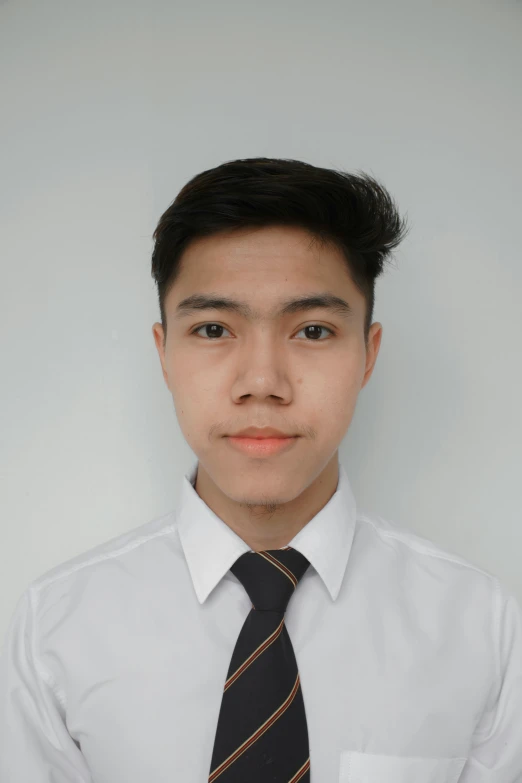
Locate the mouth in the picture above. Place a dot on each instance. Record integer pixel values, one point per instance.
(261, 447)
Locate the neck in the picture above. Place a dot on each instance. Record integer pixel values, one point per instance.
(272, 524)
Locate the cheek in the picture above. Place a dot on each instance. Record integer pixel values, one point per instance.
(198, 397)
(192, 399)
(186, 375)
(337, 381)
(331, 397)
(195, 368)
(334, 404)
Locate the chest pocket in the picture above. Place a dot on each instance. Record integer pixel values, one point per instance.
(357, 767)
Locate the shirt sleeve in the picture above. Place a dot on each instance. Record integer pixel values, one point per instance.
(496, 752)
(34, 742)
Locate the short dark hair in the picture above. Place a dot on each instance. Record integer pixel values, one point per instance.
(351, 211)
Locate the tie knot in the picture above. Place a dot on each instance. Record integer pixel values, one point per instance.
(270, 577)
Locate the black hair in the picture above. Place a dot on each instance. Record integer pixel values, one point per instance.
(353, 211)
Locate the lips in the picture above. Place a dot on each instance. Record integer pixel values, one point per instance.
(261, 432)
(261, 447)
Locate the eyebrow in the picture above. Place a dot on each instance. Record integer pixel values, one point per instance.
(325, 301)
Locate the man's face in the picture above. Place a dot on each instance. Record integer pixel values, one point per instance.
(280, 371)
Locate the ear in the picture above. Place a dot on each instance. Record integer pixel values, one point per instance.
(159, 339)
(372, 351)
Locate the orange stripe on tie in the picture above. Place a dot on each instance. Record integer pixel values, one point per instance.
(286, 571)
(255, 736)
(300, 772)
(262, 647)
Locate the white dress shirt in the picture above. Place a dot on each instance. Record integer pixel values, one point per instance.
(410, 657)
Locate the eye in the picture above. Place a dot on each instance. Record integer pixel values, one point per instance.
(198, 328)
(214, 336)
(317, 326)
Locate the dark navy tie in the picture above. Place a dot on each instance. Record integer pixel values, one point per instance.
(262, 734)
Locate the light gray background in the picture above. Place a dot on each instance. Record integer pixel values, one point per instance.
(109, 107)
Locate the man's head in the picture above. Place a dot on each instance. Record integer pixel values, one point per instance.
(264, 232)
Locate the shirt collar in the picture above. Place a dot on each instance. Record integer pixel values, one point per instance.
(211, 547)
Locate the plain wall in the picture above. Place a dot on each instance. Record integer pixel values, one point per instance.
(108, 108)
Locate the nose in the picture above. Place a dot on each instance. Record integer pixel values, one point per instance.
(263, 370)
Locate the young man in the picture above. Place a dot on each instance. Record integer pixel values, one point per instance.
(266, 630)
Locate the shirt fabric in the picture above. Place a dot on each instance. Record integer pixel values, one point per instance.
(410, 657)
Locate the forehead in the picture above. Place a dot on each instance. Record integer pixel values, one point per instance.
(267, 271)
(278, 250)
(256, 239)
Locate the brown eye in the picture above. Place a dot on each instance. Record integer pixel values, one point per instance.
(313, 331)
(213, 331)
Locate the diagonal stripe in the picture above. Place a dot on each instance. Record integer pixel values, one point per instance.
(300, 772)
(262, 647)
(286, 571)
(261, 730)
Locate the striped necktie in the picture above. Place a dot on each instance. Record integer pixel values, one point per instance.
(262, 734)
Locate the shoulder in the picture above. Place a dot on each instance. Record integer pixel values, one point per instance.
(119, 548)
(419, 554)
